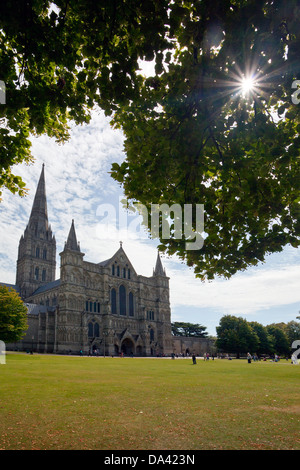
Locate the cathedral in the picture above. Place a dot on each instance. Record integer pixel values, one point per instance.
(101, 308)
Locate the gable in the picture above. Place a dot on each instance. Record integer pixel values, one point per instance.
(118, 263)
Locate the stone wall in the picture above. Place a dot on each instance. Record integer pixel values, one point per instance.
(189, 345)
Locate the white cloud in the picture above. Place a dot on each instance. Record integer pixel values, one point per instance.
(244, 293)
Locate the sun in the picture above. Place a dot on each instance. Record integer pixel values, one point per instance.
(250, 83)
(247, 85)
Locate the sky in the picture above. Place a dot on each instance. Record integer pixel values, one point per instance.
(79, 187)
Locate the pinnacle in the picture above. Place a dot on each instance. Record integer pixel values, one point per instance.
(71, 242)
(159, 270)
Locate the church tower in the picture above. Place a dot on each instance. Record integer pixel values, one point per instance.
(70, 328)
(164, 334)
(37, 247)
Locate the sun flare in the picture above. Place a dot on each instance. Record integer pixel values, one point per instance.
(247, 85)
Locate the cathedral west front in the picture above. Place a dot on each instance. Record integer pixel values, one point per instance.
(103, 307)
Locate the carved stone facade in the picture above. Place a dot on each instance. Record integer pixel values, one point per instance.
(101, 307)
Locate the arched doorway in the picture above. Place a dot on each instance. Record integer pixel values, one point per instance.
(127, 347)
(95, 349)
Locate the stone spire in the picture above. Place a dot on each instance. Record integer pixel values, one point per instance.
(159, 270)
(39, 215)
(71, 242)
(36, 262)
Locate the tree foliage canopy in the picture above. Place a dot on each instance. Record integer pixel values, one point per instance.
(192, 136)
(237, 335)
(189, 329)
(59, 59)
(13, 316)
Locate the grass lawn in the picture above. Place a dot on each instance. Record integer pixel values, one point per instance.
(65, 402)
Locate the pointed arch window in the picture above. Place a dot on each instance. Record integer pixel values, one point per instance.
(113, 296)
(122, 300)
(93, 307)
(96, 330)
(37, 252)
(150, 314)
(131, 304)
(93, 329)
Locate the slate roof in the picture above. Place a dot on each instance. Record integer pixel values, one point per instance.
(50, 285)
(35, 309)
(105, 263)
